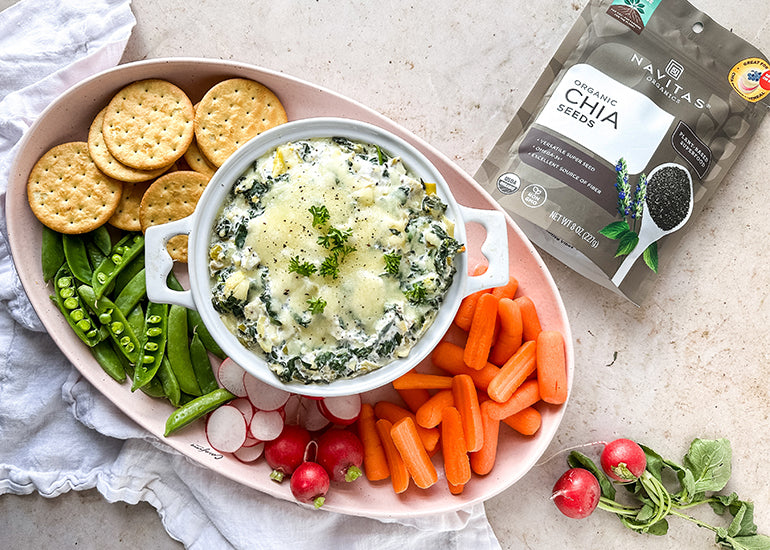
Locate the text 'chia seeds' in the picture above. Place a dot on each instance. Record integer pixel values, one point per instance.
(631, 88)
(668, 197)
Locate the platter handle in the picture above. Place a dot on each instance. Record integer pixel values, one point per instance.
(494, 248)
(158, 263)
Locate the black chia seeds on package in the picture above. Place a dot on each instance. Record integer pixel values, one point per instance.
(627, 133)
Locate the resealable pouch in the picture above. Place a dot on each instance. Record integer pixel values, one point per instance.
(629, 130)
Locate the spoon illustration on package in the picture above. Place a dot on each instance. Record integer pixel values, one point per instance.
(668, 206)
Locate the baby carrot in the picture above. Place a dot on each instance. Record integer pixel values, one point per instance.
(429, 414)
(449, 358)
(481, 332)
(456, 489)
(375, 461)
(508, 290)
(412, 380)
(513, 373)
(530, 322)
(393, 413)
(464, 314)
(551, 367)
(527, 395)
(483, 460)
(467, 402)
(526, 421)
(414, 397)
(399, 475)
(413, 453)
(457, 466)
(509, 339)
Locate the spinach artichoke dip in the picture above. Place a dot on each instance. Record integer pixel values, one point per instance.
(330, 259)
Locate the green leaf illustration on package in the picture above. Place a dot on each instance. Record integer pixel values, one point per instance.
(630, 206)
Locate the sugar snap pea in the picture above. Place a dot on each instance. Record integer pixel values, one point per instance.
(111, 318)
(51, 253)
(101, 238)
(128, 273)
(118, 259)
(153, 388)
(202, 365)
(152, 344)
(197, 408)
(108, 360)
(168, 380)
(72, 307)
(77, 257)
(195, 323)
(178, 349)
(135, 319)
(131, 294)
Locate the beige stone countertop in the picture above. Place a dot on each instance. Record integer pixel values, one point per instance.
(692, 361)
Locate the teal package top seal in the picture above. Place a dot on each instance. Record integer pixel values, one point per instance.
(629, 130)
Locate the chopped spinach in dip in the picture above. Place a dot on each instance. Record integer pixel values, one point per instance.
(330, 259)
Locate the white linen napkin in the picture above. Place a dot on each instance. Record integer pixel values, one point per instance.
(58, 432)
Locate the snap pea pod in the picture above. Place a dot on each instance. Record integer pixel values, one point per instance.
(108, 360)
(195, 323)
(178, 349)
(77, 257)
(152, 344)
(131, 294)
(169, 381)
(135, 319)
(197, 408)
(125, 250)
(73, 308)
(128, 273)
(202, 365)
(101, 238)
(51, 253)
(111, 318)
(153, 388)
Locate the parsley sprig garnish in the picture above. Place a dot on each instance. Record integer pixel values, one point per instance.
(302, 268)
(416, 294)
(392, 262)
(316, 305)
(320, 215)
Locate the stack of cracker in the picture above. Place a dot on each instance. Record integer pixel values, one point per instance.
(149, 155)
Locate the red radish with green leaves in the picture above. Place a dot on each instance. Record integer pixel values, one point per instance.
(623, 460)
(287, 451)
(576, 493)
(309, 483)
(341, 454)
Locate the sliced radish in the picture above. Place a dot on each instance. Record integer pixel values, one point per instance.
(249, 454)
(291, 409)
(250, 441)
(226, 429)
(230, 375)
(244, 405)
(342, 410)
(264, 396)
(310, 416)
(266, 425)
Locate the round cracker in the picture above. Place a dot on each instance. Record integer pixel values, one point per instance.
(110, 165)
(172, 197)
(197, 160)
(231, 113)
(126, 215)
(148, 124)
(68, 193)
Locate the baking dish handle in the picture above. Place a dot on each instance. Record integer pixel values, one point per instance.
(158, 263)
(494, 248)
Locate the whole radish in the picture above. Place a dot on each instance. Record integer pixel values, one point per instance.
(286, 452)
(341, 454)
(576, 493)
(623, 460)
(310, 483)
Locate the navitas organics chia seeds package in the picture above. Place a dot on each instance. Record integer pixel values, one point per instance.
(631, 128)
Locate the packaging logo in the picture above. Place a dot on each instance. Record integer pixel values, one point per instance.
(674, 69)
(751, 78)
